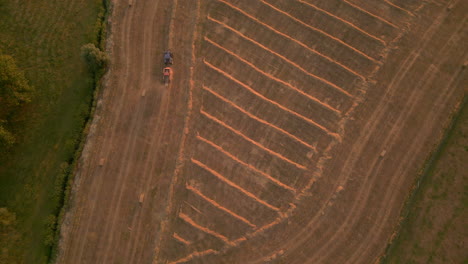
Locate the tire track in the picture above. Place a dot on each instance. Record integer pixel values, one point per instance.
(94, 181)
(161, 125)
(115, 124)
(414, 99)
(134, 146)
(445, 95)
(392, 196)
(104, 149)
(165, 230)
(371, 127)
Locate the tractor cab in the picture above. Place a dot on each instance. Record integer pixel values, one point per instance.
(168, 58)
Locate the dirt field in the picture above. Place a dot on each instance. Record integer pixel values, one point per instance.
(291, 133)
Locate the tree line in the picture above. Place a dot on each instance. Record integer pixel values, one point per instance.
(15, 94)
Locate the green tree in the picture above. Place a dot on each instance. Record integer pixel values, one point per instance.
(15, 92)
(14, 88)
(94, 57)
(7, 218)
(7, 229)
(6, 138)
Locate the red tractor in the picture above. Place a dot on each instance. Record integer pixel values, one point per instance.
(167, 75)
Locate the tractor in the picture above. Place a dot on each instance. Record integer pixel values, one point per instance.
(167, 71)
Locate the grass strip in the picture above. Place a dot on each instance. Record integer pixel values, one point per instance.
(98, 74)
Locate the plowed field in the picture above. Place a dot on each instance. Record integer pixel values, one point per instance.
(291, 133)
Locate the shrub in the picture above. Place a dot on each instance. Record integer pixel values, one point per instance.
(94, 57)
(7, 218)
(50, 227)
(6, 138)
(14, 88)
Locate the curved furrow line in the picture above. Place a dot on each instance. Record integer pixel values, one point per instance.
(180, 239)
(399, 7)
(334, 135)
(247, 113)
(371, 14)
(312, 98)
(320, 31)
(326, 82)
(217, 205)
(307, 47)
(362, 31)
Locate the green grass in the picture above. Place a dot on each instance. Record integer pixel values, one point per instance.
(44, 37)
(434, 228)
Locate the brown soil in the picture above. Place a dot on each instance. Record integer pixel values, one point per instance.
(291, 132)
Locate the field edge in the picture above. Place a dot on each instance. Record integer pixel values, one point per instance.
(99, 79)
(417, 187)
